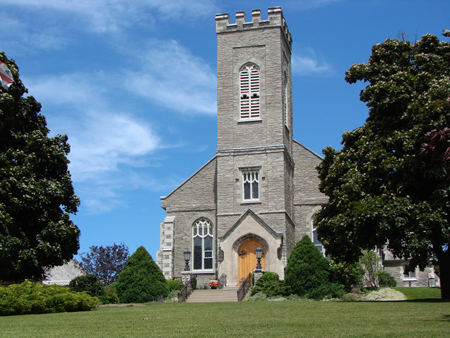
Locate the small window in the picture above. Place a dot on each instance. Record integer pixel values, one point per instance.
(409, 272)
(249, 90)
(202, 235)
(250, 185)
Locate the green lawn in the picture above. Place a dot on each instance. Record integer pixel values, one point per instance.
(420, 293)
(247, 319)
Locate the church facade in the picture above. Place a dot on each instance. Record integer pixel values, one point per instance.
(261, 187)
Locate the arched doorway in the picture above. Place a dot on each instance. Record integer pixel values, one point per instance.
(247, 258)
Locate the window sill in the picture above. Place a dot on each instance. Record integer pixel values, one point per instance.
(250, 120)
(251, 202)
(199, 272)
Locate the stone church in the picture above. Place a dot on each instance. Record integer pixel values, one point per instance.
(261, 187)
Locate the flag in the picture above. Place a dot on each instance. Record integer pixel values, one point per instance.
(5, 76)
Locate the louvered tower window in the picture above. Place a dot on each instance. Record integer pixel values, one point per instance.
(202, 235)
(249, 89)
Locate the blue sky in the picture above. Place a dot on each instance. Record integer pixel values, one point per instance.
(133, 85)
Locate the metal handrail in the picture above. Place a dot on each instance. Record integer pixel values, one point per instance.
(245, 286)
(185, 292)
(222, 281)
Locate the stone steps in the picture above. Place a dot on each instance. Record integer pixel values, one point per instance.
(226, 294)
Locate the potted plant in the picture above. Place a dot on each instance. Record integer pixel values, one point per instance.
(213, 284)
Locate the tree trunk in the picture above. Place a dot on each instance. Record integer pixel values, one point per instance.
(444, 268)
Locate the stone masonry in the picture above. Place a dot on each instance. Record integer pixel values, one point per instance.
(287, 179)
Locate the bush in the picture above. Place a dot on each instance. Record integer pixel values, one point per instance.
(28, 297)
(270, 285)
(194, 283)
(386, 279)
(141, 280)
(110, 296)
(326, 291)
(175, 284)
(350, 275)
(306, 269)
(88, 283)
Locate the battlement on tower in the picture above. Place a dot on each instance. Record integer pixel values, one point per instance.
(275, 19)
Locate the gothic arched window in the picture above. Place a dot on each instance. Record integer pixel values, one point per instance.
(285, 100)
(249, 91)
(202, 237)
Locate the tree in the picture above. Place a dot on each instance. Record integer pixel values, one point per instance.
(306, 269)
(105, 262)
(382, 188)
(36, 192)
(141, 280)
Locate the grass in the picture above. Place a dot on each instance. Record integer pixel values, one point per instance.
(249, 319)
(419, 293)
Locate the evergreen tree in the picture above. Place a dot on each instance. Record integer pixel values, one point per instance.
(141, 280)
(306, 269)
(36, 192)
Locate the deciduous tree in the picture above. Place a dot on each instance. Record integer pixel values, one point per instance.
(382, 188)
(36, 192)
(105, 262)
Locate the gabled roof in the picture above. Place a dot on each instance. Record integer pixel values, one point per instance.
(257, 219)
(189, 178)
(309, 150)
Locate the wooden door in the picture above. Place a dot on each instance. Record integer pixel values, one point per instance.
(247, 258)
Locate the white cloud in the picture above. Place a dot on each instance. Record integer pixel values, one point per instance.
(23, 36)
(307, 64)
(106, 142)
(113, 15)
(173, 78)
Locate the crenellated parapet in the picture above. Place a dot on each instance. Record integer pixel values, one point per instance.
(275, 19)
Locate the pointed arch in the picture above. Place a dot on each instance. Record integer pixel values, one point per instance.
(249, 91)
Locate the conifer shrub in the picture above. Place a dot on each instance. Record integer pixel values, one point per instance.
(307, 269)
(88, 283)
(269, 284)
(34, 298)
(141, 280)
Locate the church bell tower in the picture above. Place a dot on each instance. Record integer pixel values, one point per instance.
(255, 164)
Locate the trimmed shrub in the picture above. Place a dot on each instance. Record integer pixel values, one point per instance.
(306, 269)
(28, 298)
(88, 283)
(141, 280)
(269, 284)
(386, 279)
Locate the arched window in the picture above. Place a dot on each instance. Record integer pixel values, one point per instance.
(249, 91)
(202, 236)
(315, 238)
(285, 100)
